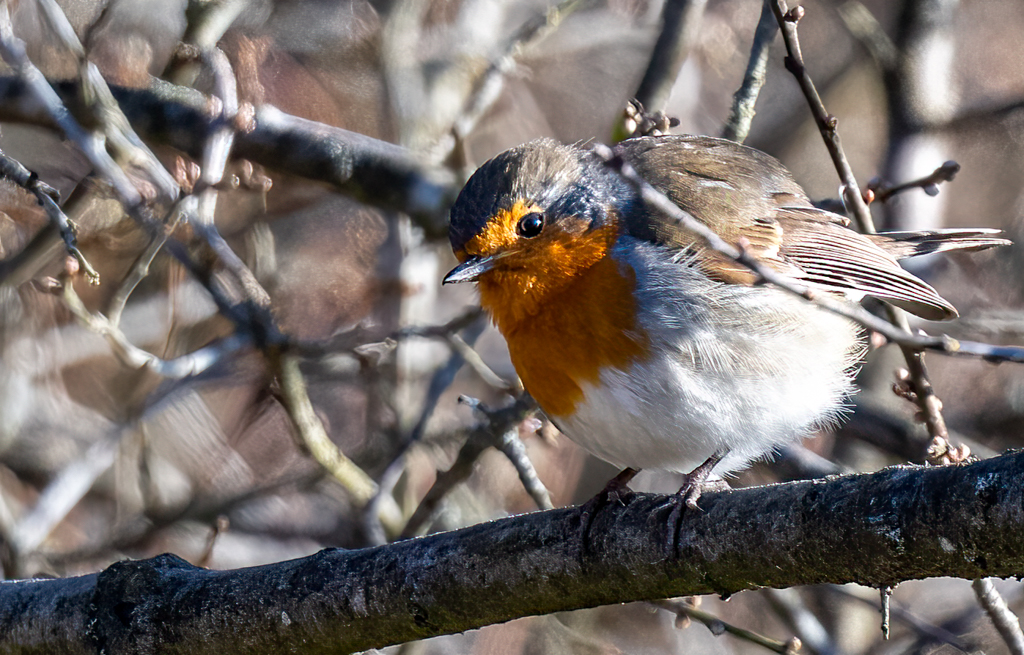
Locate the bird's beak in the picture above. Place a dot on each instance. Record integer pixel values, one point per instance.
(470, 270)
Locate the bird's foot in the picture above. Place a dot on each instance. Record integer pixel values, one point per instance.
(692, 490)
(695, 483)
(615, 491)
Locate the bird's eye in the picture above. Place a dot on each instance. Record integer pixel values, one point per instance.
(530, 225)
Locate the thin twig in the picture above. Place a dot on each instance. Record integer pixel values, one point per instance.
(13, 51)
(62, 494)
(915, 623)
(885, 598)
(790, 606)
(1006, 622)
(680, 23)
(479, 439)
(827, 123)
(743, 101)
(219, 527)
(439, 383)
(48, 198)
(718, 627)
(644, 115)
(377, 172)
(862, 24)
(300, 409)
(140, 269)
(480, 367)
(929, 183)
(489, 85)
(931, 406)
(515, 450)
(132, 356)
(103, 109)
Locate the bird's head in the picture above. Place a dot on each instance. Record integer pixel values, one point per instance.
(530, 220)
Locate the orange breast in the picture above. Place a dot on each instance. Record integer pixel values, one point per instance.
(576, 327)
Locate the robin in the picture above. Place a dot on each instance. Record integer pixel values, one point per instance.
(647, 349)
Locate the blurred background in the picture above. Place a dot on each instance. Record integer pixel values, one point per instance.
(100, 460)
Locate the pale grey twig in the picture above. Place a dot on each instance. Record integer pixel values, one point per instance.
(1006, 622)
(215, 157)
(360, 486)
(717, 626)
(885, 598)
(743, 101)
(480, 367)
(140, 269)
(515, 450)
(490, 83)
(199, 208)
(130, 355)
(478, 439)
(439, 383)
(122, 138)
(61, 495)
(929, 183)
(922, 627)
(48, 197)
(862, 24)
(12, 50)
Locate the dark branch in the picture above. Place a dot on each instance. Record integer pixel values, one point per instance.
(680, 20)
(377, 172)
(878, 529)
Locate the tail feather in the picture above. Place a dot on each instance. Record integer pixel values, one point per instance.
(925, 242)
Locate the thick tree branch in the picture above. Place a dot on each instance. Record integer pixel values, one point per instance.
(875, 529)
(378, 172)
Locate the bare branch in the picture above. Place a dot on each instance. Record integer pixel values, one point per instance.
(487, 88)
(130, 355)
(743, 101)
(930, 405)
(865, 28)
(1006, 622)
(296, 400)
(62, 494)
(929, 183)
(513, 448)
(13, 51)
(717, 626)
(479, 439)
(680, 24)
(960, 521)
(368, 169)
(47, 197)
(827, 123)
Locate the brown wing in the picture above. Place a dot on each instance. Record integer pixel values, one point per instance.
(838, 259)
(743, 193)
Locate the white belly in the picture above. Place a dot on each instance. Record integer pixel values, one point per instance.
(720, 376)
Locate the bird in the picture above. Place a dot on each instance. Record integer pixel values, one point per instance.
(647, 348)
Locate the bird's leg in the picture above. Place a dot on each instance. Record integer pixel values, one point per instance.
(616, 489)
(694, 483)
